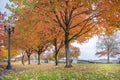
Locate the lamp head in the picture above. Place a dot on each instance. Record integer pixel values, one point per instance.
(13, 29)
(5, 28)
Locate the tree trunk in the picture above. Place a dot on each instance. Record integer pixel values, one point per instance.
(29, 52)
(28, 59)
(108, 58)
(56, 59)
(23, 59)
(56, 51)
(38, 59)
(68, 64)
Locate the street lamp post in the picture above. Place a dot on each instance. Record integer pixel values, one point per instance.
(9, 29)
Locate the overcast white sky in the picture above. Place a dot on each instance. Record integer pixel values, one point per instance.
(87, 49)
(2, 6)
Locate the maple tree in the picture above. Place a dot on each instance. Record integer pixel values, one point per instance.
(57, 48)
(75, 18)
(29, 52)
(27, 41)
(22, 59)
(58, 41)
(42, 41)
(108, 46)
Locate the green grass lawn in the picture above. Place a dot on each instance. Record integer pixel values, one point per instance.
(77, 72)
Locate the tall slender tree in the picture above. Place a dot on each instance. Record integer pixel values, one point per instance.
(58, 41)
(29, 53)
(57, 48)
(41, 42)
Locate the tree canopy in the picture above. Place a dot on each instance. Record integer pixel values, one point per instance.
(108, 46)
(42, 21)
(2, 18)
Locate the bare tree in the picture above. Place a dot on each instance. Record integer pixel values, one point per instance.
(108, 46)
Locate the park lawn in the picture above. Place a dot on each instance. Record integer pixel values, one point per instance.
(77, 72)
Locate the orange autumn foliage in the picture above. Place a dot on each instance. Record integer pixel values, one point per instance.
(74, 18)
(2, 18)
(111, 15)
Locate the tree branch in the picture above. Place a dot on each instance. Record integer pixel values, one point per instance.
(80, 32)
(61, 45)
(89, 18)
(62, 17)
(70, 15)
(58, 20)
(84, 12)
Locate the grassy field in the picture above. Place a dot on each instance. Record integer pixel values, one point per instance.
(77, 72)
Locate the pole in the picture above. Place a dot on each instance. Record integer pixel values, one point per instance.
(9, 64)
